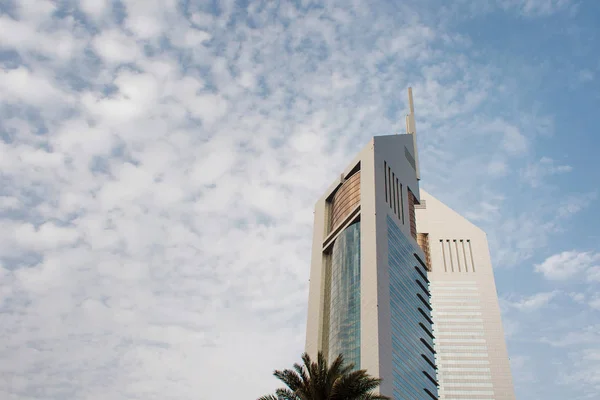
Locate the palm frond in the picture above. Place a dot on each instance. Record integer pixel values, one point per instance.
(286, 394)
(268, 397)
(319, 380)
(354, 385)
(301, 371)
(290, 378)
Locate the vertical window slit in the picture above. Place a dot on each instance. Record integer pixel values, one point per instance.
(385, 180)
(444, 255)
(402, 203)
(471, 252)
(465, 255)
(394, 193)
(457, 254)
(450, 255)
(396, 198)
(390, 185)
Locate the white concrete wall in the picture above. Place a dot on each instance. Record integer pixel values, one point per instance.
(375, 297)
(316, 301)
(465, 292)
(391, 150)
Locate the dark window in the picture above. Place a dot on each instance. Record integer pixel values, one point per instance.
(427, 345)
(428, 361)
(423, 287)
(430, 394)
(425, 315)
(425, 302)
(430, 378)
(426, 330)
(422, 275)
(420, 262)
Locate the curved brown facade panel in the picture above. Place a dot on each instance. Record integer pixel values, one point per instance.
(423, 242)
(412, 200)
(345, 199)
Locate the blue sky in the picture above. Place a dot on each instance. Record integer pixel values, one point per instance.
(159, 161)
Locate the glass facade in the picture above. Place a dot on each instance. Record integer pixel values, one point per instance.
(412, 344)
(344, 306)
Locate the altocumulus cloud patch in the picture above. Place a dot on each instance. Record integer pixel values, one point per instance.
(160, 160)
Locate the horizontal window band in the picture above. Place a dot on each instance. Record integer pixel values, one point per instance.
(446, 370)
(463, 362)
(455, 301)
(456, 340)
(446, 320)
(467, 295)
(469, 392)
(443, 355)
(457, 328)
(457, 307)
(443, 333)
(457, 313)
(469, 384)
(466, 347)
(448, 377)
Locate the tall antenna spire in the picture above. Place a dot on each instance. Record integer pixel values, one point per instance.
(411, 129)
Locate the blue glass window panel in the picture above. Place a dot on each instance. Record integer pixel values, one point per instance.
(409, 382)
(344, 307)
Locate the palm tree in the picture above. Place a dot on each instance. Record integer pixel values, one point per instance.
(319, 381)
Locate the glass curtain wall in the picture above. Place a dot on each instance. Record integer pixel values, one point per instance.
(413, 356)
(344, 306)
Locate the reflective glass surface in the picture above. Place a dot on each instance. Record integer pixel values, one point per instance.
(409, 381)
(344, 307)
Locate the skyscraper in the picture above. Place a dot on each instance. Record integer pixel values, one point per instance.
(368, 283)
(471, 352)
(369, 294)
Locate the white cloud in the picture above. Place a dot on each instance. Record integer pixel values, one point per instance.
(593, 274)
(46, 237)
(521, 369)
(577, 203)
(94, 8)
(22, 85)
(534, 174)
(568, 264)
(589, 334)
(9, 202)
(116, 47)
(585, 75)
(144, 27)
(533, 302)
(157, 213)
(514, 142)
(497, 168)
(194, 37)
(36, 10)
(595, 303)
(532, 8)
(577, 297)
(511, 327)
